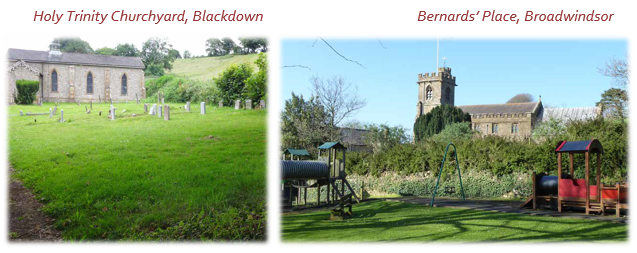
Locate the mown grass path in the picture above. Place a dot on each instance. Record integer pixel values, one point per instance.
(193, 177)
(386, 221)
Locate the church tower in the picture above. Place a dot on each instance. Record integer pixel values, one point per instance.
(435, 89)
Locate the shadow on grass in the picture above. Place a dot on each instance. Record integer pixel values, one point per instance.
(392, 221)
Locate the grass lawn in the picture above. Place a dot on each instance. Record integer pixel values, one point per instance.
(388, 221)
(138, 178)
(205, 68)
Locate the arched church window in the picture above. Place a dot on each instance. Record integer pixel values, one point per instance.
(448, 94)
(54, 81)
(430, 93)
(89, 83)
(124, 85)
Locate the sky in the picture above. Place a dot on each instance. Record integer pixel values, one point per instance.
(563, 72)
(195, 43)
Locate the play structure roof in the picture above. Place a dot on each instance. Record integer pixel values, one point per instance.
(297, 152)
(591, 146)
(329, 145)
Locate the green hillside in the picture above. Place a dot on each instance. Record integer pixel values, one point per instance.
(206, 68)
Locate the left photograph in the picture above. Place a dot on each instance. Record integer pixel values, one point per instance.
(137, 139)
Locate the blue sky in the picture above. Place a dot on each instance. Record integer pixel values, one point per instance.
(563, 72)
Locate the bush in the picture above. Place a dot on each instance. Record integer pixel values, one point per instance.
(27, 89)
(177, 89)
(435, 121)
(232, 81)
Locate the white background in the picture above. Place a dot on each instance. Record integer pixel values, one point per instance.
(295, 19)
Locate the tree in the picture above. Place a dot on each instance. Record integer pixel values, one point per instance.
(126, 50)
(187, 54)
(214, 47)
(174, 53)
(437, 119)
(156, 56)
(227, 44)
(618, 71)
(382, 137)
(105, 51)
(339, 97)
(232, 81)
(257, 85)
(26, 91)
(73, 45)
(521, 98)
(304, 124)
(455, 132)
(251, 45)
(549, 129)
(613, 103)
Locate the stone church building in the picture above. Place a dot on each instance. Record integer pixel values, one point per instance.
(515, 120)
(73, 77)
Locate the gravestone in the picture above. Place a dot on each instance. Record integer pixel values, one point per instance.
(91, 105)
(62, 115)
(237, 104)
(55, 109)
(248, 104)
(203, 107)
(220, 103)
(158, 97)
(153, 109)
(162, 100)
(188, 106)
(166, 112)
(113, 113)
(50, 113)
(160, 109)
(21, 114)
(85, 109)
(145, 108)
(262, 104)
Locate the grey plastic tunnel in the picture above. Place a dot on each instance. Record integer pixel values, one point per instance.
(304, 170)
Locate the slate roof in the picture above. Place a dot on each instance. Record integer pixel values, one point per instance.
(528, 107)
(574, 113)
(75, 58)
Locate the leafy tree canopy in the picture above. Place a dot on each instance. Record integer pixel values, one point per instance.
(437, 119)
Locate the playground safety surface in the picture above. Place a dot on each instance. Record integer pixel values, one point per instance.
(507, 207)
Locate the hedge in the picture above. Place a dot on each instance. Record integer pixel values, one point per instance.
(27, 89)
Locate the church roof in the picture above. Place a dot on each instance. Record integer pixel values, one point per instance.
(75, 58)
(529, 107)
(574, 113)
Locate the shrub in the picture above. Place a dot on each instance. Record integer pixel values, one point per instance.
(435, 121)
(232, 81)
(27, 89)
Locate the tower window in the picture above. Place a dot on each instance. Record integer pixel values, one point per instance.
(54, 81)
(89, 83)
(514, 128)
(494, 128)
(476, 127)
(430, 93)
(448, 94)
(124, 85)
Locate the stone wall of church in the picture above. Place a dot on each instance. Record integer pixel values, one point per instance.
(505, 122)
(72, 83)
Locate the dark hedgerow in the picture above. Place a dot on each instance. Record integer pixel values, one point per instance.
(27, 89)
(435, 121)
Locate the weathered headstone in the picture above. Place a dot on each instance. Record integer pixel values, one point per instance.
(166, 112)
(89, 111)
(62, 115)
(152, 110)
(248, 104)
(55, 109)
(91, 105)
(21, 114)
(220, 103)
(162, 100)
(160, 109)
(188, 106)
(145, 108)
(113, 109)
(237, 104)
(85, 108)
(262, 104)
(203, 107)
(50, 113)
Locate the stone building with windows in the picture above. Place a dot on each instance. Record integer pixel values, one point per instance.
(73, 77)
(515, 120)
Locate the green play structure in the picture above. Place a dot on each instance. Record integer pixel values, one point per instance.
(440, 173)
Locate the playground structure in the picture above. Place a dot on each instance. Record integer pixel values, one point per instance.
(295, 152)
(564, 190)
(328, 171)
(442, 164)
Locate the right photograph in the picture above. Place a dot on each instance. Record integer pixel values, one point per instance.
(454, 140)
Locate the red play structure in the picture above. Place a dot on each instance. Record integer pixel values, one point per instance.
(571, 192)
